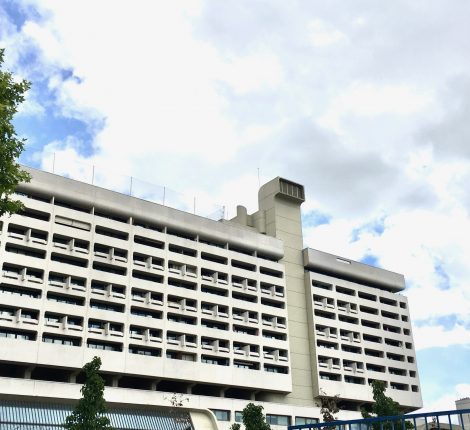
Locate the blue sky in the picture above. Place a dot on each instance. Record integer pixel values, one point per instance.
(367, 105)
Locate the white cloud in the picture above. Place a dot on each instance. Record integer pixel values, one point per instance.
(323, 35)
(370, 99)
(435, 336)
(199, 95)
(447, 401)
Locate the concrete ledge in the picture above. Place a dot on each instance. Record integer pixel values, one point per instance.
(352, 270)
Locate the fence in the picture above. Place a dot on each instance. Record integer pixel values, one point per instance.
(105, 177)
(423, 421)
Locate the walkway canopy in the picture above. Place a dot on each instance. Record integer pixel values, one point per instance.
(22, 415)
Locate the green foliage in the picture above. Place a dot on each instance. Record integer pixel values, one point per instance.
(88, 414)
(253, 419)
(11, 96)
(384, 406)
(328, 406)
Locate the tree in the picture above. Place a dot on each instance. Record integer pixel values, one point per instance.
(11, 96)
(328, 406)
(384, 406)
(253, 419)
(88, 414)
(180, 419)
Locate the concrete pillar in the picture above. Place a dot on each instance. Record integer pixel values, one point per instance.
(73, 377)
(28, 371)
(115, 380)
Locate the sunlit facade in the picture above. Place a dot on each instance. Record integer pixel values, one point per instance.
(225, 312)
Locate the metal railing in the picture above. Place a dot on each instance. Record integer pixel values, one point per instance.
(107, 177)
(426, 421)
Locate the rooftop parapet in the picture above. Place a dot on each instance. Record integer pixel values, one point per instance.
(334, 265)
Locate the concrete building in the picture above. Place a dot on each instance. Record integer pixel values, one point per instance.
(226, 312)
(461, 404)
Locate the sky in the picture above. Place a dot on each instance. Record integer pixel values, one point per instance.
(366, 103)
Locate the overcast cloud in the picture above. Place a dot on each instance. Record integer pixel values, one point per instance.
(366, 103)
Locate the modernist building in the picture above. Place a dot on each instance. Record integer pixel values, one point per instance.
(224, 311)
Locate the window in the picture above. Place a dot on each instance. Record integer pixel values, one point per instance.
(31, 213)
(148, 242)
(354, 380)
(322, 286)
(19, 291)
(106, 306)
(145, 313)
(214, 360)
(305, 420)
(61, 340)
(278, 420)
(275, 369)
(183, 250)
(243, 265)
(273, 335)
(78, 301)
(238, 416)
(214, 324)
(346, 291)
(145, 224)
(71, 206)
(182, 284)
(213, 258)
(182, 234)
(244, 330)
(221, 415)
(105, 346)
(108, 268)
(65, 259)
(214, 290)
(141, 350)
(147, 276)
(272, 303)
(175, 355)
(245, 364)
(111, 233)
(29, 252)
(330, 376)
(17, 334)
(270, 272)
(108, 215)
(182, 319)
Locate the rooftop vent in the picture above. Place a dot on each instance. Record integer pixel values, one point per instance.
(292, 190)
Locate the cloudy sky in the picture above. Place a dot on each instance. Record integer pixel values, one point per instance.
(366, 103)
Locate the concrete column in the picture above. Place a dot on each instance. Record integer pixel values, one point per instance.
(115, 380)
(28, 371)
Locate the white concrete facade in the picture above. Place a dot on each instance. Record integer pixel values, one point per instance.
(226, 312)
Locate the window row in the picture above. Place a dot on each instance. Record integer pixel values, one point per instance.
(351, 308)
(31, 316)
(352, 336)
(366, 351)
(360, 294)
(142, 350)
(12, 271)
(45, 216)
(272, 419)
(362, 381)
(358, 366)
(363, 321)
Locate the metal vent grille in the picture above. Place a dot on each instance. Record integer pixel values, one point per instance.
(291, 189)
